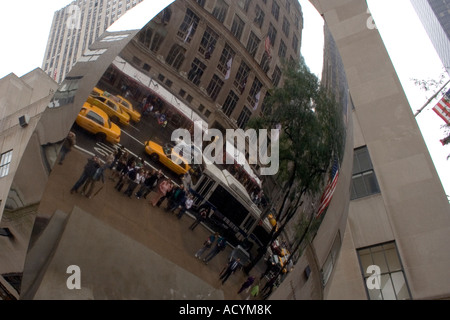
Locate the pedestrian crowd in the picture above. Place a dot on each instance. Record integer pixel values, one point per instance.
(132, 177)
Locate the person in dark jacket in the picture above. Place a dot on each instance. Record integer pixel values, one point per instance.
(232, 267)
(67, 146)
(88, 173)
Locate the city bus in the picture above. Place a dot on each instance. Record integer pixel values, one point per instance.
(235, 215)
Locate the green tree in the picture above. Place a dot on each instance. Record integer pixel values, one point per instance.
(312, 134)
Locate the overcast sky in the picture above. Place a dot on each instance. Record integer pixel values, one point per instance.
(25, 26)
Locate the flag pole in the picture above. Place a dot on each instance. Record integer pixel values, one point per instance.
(429, 100)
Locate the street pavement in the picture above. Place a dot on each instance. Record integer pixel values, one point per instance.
(155, 228)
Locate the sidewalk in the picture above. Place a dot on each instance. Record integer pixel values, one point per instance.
(157, 229)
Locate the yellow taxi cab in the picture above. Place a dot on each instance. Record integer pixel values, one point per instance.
(127, 106)
(163, 154)
(272, 221)
(97, 122)
(97, 92)
(111, 108)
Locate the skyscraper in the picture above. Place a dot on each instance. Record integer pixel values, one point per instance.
(435, 16)
(77, 26)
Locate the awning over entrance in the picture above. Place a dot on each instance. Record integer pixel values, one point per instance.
(164, 94)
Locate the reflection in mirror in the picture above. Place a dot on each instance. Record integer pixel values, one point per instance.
(126, 202)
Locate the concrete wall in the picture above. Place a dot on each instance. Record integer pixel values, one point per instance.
(28, 95)
(412, 208)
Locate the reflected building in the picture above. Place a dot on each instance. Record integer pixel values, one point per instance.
(75, 27)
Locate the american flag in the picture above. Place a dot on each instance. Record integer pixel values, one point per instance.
(443, 107)
(329, 190)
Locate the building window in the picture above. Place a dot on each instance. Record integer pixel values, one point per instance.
(383, 272)
(275, 10)
(259, 16)
(264, 104)
(253, 44)
(5, 161)
(189, 26)
(364, 180)
(244, 4)
(276, 76)
(208, 43)
(227, 55)
(254, 91)
(297, 22)
(265, 62)
(201, 3)
(282, 50)
(146, 67)
(214, 87)
(295, 43)
(272, 34)
(151, 39)
(330, 262)
(241, 77)
(286, 26)
(237, 27)
(230, 103)
(220, 10)
(243, 118)
(175, 58)
(166, 15)
(196, 72)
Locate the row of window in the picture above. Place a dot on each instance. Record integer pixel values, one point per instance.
(152, 39)
(381, 268)
(221, 9)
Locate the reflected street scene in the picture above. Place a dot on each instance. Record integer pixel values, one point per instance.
(128, 209)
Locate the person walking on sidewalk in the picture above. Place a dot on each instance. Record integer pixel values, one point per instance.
(88, 172)
(67, 146)
(219, 247)
(206, 245)
(135, 180)
(128, 172)
(186, 206)
(150, 182)
(202, 216)
(164, 187)
(177, 198)
(167, 195)
(246, 285)
(89, 186)
(232, 267)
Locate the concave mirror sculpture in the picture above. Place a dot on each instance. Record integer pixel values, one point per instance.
(202, 67)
